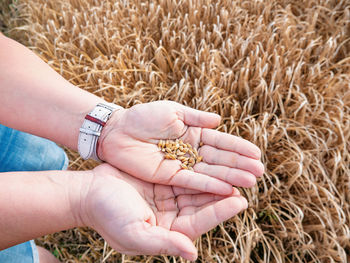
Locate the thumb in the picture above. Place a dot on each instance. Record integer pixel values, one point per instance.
(198, 118)
(162, 241)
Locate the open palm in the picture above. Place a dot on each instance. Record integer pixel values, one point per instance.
(136, 217)
(129, 142)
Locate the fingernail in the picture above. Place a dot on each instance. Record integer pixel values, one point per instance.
(189, 256)
(261, 170)
(244, 203)
(228, 190)
(236, 192)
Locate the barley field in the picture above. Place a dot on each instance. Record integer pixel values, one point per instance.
(278, 72)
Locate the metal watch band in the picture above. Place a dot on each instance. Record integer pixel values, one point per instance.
(91, 129)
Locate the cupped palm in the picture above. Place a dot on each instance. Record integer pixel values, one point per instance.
(129, 142)
(136, 217)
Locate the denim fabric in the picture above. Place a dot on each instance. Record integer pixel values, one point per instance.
(22, 253)
(21, 151)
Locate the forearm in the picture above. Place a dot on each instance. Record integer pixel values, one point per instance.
(36, 99)
(33, 204)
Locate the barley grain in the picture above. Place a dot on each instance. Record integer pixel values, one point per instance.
(180, 153)
(168, 150)
(178, 150)
(183, 166)
(182, 158)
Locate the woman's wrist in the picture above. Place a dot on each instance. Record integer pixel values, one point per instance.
(79, 118)
(78, 186)
(111, 124)
(44, 104)
(39, 203)
(91, 129)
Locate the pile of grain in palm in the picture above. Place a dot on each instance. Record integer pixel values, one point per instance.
(278, 73)
(183, 152)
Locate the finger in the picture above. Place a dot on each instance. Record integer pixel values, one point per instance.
(190, 220)
(200, 182)
(198, 199)
(184, 191)
(232, 176)
(236, 192)
(231, 143)
(165, 242)
(215, 156)
(198, 118)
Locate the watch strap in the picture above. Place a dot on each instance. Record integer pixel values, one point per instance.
(91, 129)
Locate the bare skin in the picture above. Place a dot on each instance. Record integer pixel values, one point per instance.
(45, 256)
(126, 211)
(163, 214)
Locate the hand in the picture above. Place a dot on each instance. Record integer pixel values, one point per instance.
(129, 142)
(136, 217)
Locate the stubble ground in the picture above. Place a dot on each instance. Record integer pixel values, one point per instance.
(278, 72)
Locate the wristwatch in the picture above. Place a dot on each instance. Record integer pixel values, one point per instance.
(91, 129)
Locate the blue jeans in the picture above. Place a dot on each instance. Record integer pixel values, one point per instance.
(21, 151)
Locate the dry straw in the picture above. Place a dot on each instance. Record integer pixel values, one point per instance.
(278, 72)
